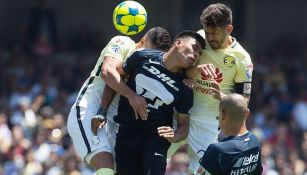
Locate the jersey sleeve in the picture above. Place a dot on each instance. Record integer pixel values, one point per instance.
(186, 102)
(243, 77)
(132, 61)
(210, 160)
(244, 70)
(119, 47)
(259, 168)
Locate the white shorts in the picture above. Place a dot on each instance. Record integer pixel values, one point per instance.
(201, 135)
(79, 129)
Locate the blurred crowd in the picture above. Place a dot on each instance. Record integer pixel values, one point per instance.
(40, 76)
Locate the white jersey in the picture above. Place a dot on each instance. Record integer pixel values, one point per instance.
(88, 103)
(232, 65)
(120, 47)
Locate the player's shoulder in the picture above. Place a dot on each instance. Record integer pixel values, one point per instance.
(244, 142)
(145, 51)
(255, 141)
(121, 40)
(239, 50)
(149, 53)
(216, 147)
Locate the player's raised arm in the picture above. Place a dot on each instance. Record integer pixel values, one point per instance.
(112, 70)
(110, 74)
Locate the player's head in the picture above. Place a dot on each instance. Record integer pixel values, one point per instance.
(189, 45)
(156, 38)
(217, 22)
(233, 111)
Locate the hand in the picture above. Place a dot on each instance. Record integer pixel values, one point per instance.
(207, 70)
(216, 90)
(167, 132)
(189, 82)
(97, 122)
(139, 105)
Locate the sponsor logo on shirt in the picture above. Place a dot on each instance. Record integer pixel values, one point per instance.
(161, 76)
(242, 161)
(204, 84)
(219, 75)
(245, 165)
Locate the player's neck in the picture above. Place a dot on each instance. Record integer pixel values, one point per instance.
(171, 63)
(227, 42)
(235, 131)
(138, 45)
(243, 131)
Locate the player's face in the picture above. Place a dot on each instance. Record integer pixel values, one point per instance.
(190, 51)
(216, 36)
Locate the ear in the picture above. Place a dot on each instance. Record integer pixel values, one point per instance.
(229, 28)
(247, 113)
(178, 42)
(142, 41)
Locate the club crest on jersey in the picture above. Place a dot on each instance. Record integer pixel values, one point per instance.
(229, 61)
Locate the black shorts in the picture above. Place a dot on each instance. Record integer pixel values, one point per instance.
(138, 154)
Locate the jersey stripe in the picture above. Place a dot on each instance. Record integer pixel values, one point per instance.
(78, 109)
(99, 70)
(79, 116)
(82, 130)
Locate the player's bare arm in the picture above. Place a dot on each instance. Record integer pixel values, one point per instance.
(99, 120)
(183, 121)
(206, 69)
(218, 94)
(110, 73)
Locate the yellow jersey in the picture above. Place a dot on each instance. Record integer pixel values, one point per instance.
(232, 65)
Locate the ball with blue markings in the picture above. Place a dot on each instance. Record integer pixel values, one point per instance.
(129, 17)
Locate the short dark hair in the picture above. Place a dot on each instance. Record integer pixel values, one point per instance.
(216, 15)
(160, 38)
(193, 34)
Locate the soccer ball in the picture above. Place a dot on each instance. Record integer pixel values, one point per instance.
(129, 17)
